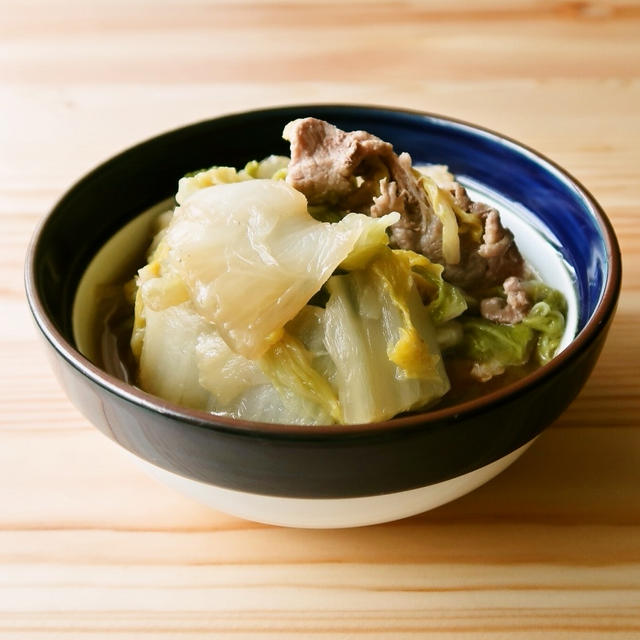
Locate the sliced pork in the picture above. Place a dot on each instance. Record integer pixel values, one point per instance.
(358, 171)
(510, 311)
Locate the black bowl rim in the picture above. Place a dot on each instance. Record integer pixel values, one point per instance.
(420, 420)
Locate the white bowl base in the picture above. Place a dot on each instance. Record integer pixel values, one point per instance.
(328, 513)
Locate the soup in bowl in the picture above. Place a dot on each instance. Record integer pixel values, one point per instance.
(322, 462)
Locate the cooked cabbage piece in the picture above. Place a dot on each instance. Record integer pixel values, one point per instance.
(222, 320)
(273, 167)
(379, 335)
(169, 359)
(252, 256)
(547, 317)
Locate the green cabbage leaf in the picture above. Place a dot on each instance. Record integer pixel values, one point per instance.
(547, 317)
(493, 347)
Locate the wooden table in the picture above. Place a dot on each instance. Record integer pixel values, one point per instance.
(90, 547)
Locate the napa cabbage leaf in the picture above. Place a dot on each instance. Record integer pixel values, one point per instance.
(547, 317)
(380, 338)
(252, 256)
(273, 167)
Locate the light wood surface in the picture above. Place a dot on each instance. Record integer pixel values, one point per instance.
(91, 548)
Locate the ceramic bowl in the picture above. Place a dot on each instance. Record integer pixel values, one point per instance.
(334, 476)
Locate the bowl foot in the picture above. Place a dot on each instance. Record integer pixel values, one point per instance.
(328, 513)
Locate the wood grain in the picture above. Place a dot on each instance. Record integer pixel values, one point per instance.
(91, 548)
